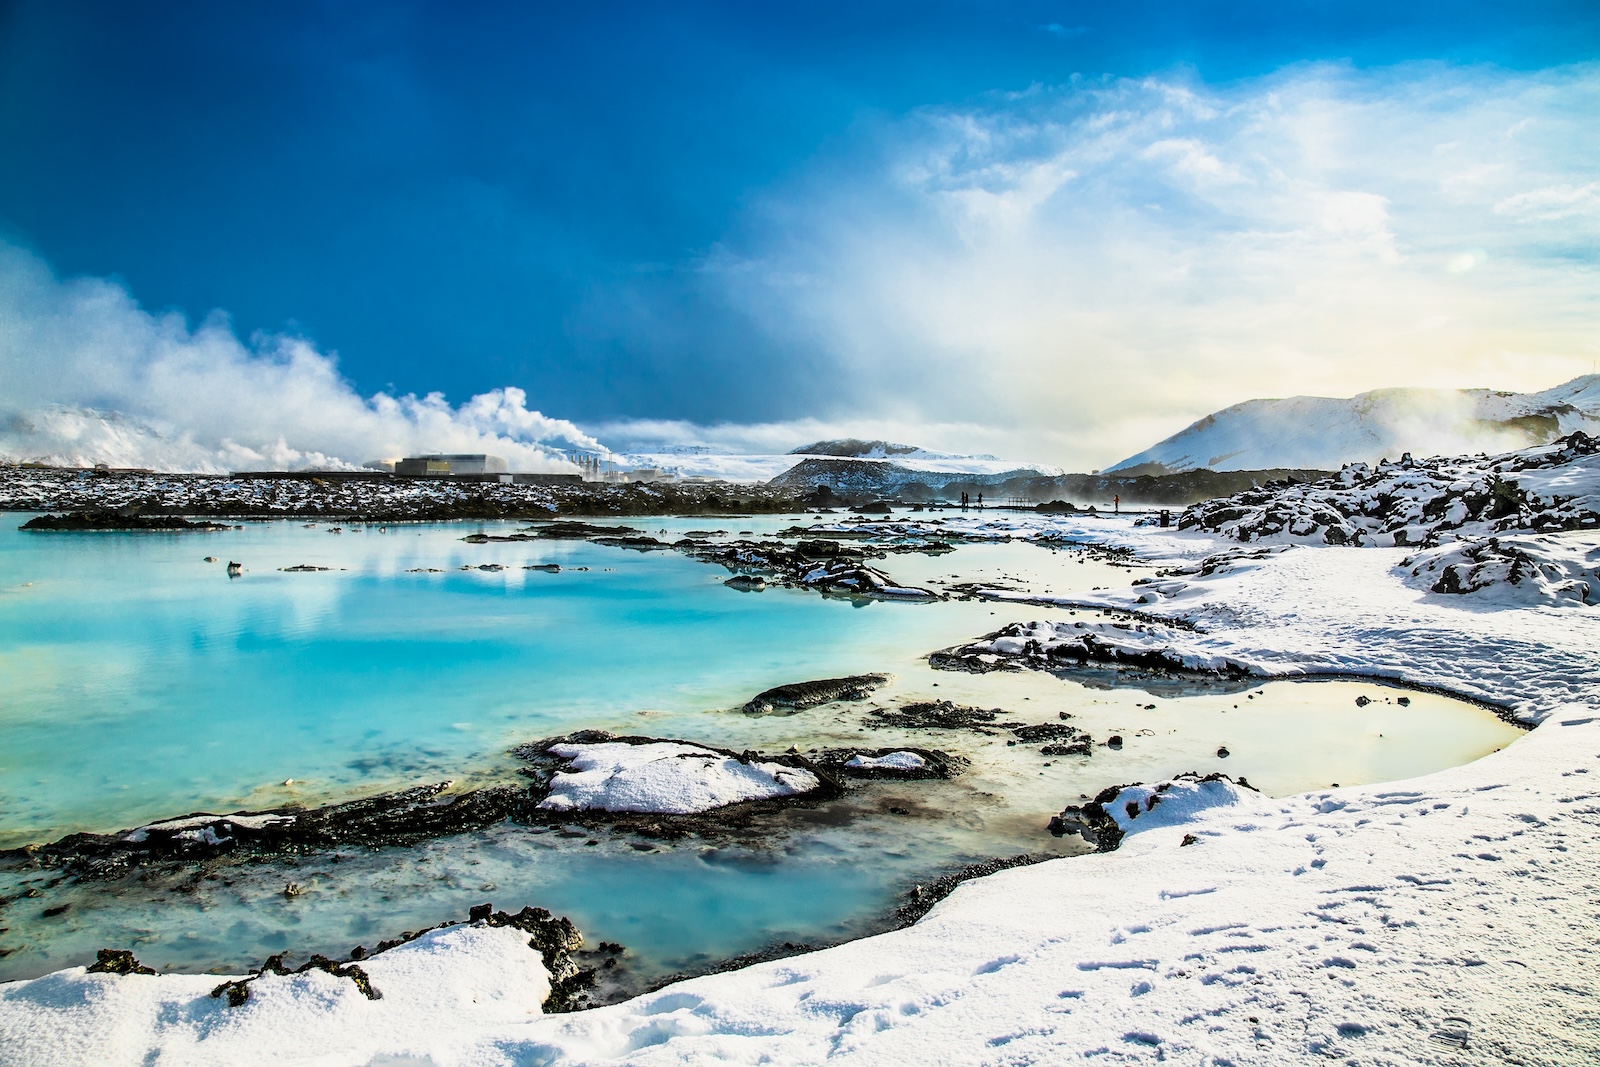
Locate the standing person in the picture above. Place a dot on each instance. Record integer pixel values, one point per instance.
(1116, 504)
(980, 501)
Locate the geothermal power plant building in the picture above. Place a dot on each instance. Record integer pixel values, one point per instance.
(442, 466)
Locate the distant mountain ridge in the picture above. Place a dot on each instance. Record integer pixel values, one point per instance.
(1326, 432)
(857, 478)
(856, 448)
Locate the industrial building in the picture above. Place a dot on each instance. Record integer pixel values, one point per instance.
(452, 466)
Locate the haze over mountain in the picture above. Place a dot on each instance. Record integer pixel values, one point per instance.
(1325, 432)
(855, 448)
(862, 456)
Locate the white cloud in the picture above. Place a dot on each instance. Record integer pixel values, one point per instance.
(1090, 267)
(1059, 274)
(777, 438)
(1554, 203)
(86, 375)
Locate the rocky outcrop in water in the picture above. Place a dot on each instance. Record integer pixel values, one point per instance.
(797, 696)
(899, 763)
(940, 715)
(820, 563)
(824, 564)
(104, 519)
(1057, 738)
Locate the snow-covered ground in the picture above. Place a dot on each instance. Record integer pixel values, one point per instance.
(459, 979)
(1452, 919)
(664, 776)
(1295, 610)
(1532, 569)
(1420, 502)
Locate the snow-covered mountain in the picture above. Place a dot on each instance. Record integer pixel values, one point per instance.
(1324, 432)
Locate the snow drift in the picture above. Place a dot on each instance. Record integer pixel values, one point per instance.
(431, 990)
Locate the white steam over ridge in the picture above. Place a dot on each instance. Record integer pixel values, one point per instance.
(88, 376)
(1094, 265)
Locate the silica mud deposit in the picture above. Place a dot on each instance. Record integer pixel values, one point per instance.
(357, 663)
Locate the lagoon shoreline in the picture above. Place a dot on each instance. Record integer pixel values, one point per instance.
(1304, 612)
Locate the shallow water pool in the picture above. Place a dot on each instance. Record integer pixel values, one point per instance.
(139, 682)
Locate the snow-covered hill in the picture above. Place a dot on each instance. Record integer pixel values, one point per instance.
(1325, 433)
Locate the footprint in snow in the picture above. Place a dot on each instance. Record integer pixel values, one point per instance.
(1452, 1032)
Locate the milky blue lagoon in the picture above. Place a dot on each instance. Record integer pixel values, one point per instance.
(138, 682)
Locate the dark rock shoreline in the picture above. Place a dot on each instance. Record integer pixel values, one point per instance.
(408, 816)
(104, 519)
(373, 500)
(174, 855)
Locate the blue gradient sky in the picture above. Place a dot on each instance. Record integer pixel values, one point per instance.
(574, 199)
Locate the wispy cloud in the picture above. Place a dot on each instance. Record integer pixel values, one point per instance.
(1091, 266)
(87, 375)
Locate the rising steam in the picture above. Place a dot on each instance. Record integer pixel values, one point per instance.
(87, 376)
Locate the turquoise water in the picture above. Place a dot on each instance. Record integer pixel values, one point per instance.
(137, 682)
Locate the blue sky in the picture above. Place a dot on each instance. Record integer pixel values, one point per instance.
(653, 218)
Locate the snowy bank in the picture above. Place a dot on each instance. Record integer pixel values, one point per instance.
(1284, 610)
(669, 777)
(1434, 921)
(432, 993)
